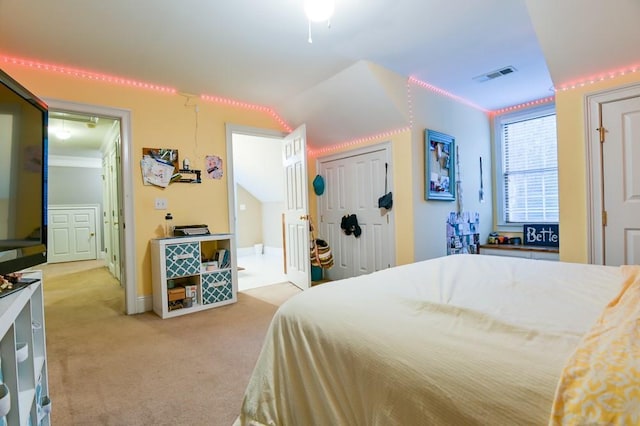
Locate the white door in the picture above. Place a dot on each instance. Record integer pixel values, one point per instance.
(106, 215)
(353, 184)
(621, 181)
(296, 213)
(71, 234)
(115, 210)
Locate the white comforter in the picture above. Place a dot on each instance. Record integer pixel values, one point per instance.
(465, 339)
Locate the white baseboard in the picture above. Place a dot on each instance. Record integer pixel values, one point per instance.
(249, 251)
(245, 251)
(144, 304)
(273, 250)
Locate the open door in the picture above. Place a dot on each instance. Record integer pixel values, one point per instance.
(296, 213)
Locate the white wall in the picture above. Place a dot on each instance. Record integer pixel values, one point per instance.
(86, 184)
(471, 129)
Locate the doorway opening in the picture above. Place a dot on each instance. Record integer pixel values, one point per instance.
(257, 180)
(89, 151)
(81, 154)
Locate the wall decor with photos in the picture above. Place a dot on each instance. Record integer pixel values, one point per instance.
(463, 233)
(158, 165)
(440, 178)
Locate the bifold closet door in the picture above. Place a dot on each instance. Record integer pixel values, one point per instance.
(353, 185)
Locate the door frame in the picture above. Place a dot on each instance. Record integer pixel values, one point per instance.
(230, 130)
(133, 304)
(381, 146)
(595, 167)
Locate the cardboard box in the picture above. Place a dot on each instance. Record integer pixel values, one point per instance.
(177, 293)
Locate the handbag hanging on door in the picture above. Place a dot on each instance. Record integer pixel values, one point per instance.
(320, 251)
(386, 201)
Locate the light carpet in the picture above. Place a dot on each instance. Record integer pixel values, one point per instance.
(107, 368)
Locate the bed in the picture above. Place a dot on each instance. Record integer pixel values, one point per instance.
(457, 340)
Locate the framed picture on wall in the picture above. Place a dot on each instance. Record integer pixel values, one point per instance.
(439, 165)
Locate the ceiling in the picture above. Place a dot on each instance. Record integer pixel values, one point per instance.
(88, 134)
(257, 51)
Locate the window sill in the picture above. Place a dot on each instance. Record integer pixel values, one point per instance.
(509, 228)
(501, 227)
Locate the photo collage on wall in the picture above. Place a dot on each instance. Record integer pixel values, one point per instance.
(463, 233)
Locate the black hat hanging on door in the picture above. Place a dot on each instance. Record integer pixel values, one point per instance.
(386, 201)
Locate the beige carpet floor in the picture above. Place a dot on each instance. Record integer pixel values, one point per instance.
(107, 368)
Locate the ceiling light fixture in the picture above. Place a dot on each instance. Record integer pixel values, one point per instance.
(93, 122)
(63, 134)
(318, 11)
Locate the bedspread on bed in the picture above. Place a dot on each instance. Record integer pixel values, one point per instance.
(465, 339)
(600, 384)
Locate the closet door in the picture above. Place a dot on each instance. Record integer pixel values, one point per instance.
(353, 184)
(333, 205)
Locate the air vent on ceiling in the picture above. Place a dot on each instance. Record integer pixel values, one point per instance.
(495, 74)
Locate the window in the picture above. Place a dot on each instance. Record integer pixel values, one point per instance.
(527, 167)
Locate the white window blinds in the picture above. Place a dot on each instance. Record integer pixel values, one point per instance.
(530, 169)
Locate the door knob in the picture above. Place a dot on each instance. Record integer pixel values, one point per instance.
(92, 234)
(305, 217)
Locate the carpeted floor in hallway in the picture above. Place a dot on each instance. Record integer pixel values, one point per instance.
(107, 368)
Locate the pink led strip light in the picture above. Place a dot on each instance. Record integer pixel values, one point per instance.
(132, 83)
(598, 78)
(85, 74)
(524, 105)
(246, 105)
(316, 152)
(238, 104)
(471, 104)
(444, 93)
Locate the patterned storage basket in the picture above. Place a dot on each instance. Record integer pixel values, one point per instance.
(216, 287)
(321, 254)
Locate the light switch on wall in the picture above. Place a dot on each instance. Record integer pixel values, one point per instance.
(243, 206)
(161, 204)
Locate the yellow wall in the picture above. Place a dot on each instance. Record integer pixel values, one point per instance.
(402, 190)
(572, 167)
(403, 184)
(158, 120)
(249, 220)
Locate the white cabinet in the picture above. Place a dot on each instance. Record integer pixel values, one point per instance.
(193, 273)
(24, 372)
(526, 252)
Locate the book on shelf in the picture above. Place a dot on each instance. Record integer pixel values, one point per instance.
(223, 258)
(226, 260)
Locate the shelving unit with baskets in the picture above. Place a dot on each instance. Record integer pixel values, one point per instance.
(193, 273)
(23, 355)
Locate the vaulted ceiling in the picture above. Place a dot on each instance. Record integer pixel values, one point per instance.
(257, 51)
